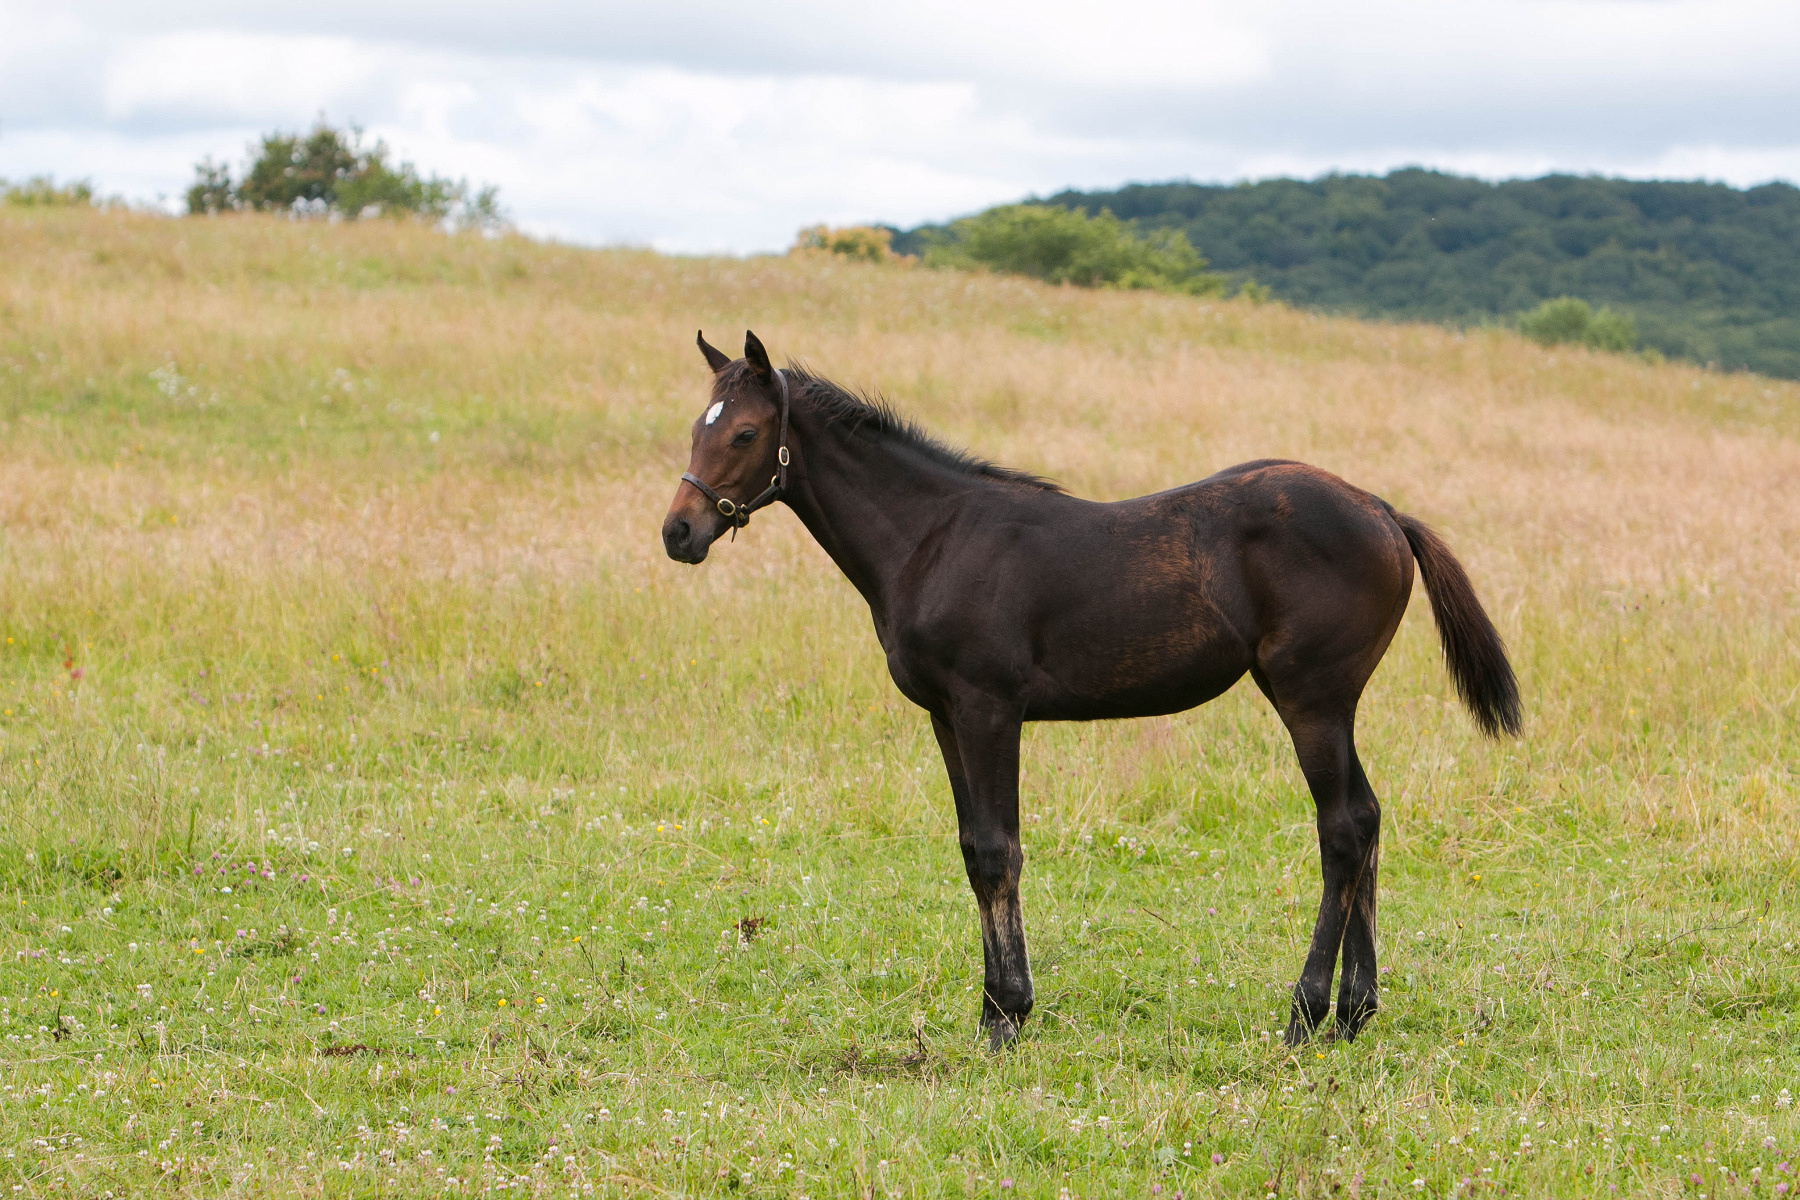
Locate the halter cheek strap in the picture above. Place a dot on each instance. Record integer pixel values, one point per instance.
(739, 514)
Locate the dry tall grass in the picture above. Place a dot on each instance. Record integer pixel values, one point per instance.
(377, 407)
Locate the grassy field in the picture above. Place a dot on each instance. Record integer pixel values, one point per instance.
(383, 814)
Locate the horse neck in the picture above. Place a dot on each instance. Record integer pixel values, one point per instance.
(868, 501)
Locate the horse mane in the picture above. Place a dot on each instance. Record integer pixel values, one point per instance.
(872, 415)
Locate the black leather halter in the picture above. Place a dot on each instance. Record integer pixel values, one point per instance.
(739, 514)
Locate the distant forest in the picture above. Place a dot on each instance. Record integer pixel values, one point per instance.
(1710, 273)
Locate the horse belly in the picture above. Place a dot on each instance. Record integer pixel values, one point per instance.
(1091, 672)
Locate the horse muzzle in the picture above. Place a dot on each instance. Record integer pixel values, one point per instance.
(688, 540)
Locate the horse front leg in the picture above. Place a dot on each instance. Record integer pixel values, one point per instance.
(981, 754)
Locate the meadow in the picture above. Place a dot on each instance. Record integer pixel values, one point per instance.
(382, 813)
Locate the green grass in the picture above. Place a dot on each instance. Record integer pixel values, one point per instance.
(382, 811)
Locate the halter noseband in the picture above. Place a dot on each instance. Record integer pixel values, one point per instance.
(739, 514)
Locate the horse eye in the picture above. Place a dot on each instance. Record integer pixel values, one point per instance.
(744, 438)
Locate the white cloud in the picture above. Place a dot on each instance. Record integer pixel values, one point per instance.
(706, 162)
(710, 124)
(192, 78)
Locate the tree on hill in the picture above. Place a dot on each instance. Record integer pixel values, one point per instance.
(1567, 321)
(862, 243)
(1069, 246)
(333, 172)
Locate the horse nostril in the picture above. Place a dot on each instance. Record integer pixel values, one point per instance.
(682, 532)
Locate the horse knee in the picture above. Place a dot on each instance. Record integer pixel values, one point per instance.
(1347, 834)
(992, 862)
(1340, 839)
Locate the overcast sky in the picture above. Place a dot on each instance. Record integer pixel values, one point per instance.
(728, 125)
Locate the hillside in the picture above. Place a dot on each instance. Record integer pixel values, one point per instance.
(1711, 273)
(382, 812)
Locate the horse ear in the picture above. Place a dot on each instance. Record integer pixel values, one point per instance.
(715, 358)
(756, 356)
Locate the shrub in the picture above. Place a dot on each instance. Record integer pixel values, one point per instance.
(332, 172)
(1569, 321)
(212, 191)
(1068, 246)
(42, 191)
(1612, 331)
(864, 243)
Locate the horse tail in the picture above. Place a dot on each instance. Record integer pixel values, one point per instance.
(1472, 647)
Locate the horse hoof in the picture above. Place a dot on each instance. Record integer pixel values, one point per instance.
(1002, 1032)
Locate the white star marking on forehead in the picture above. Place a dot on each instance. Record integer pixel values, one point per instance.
(712, 414)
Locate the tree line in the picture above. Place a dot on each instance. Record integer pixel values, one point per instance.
(1700, 271)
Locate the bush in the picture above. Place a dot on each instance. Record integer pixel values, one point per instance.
(41, 191)
(331, 172)
(864, 243)
(1068, 246)
(1571, 322)
(212, 191)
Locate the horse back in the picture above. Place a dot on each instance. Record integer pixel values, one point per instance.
(1088, 610)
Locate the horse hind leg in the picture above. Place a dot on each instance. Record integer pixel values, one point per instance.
(1348, 821)
(1359, 985)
